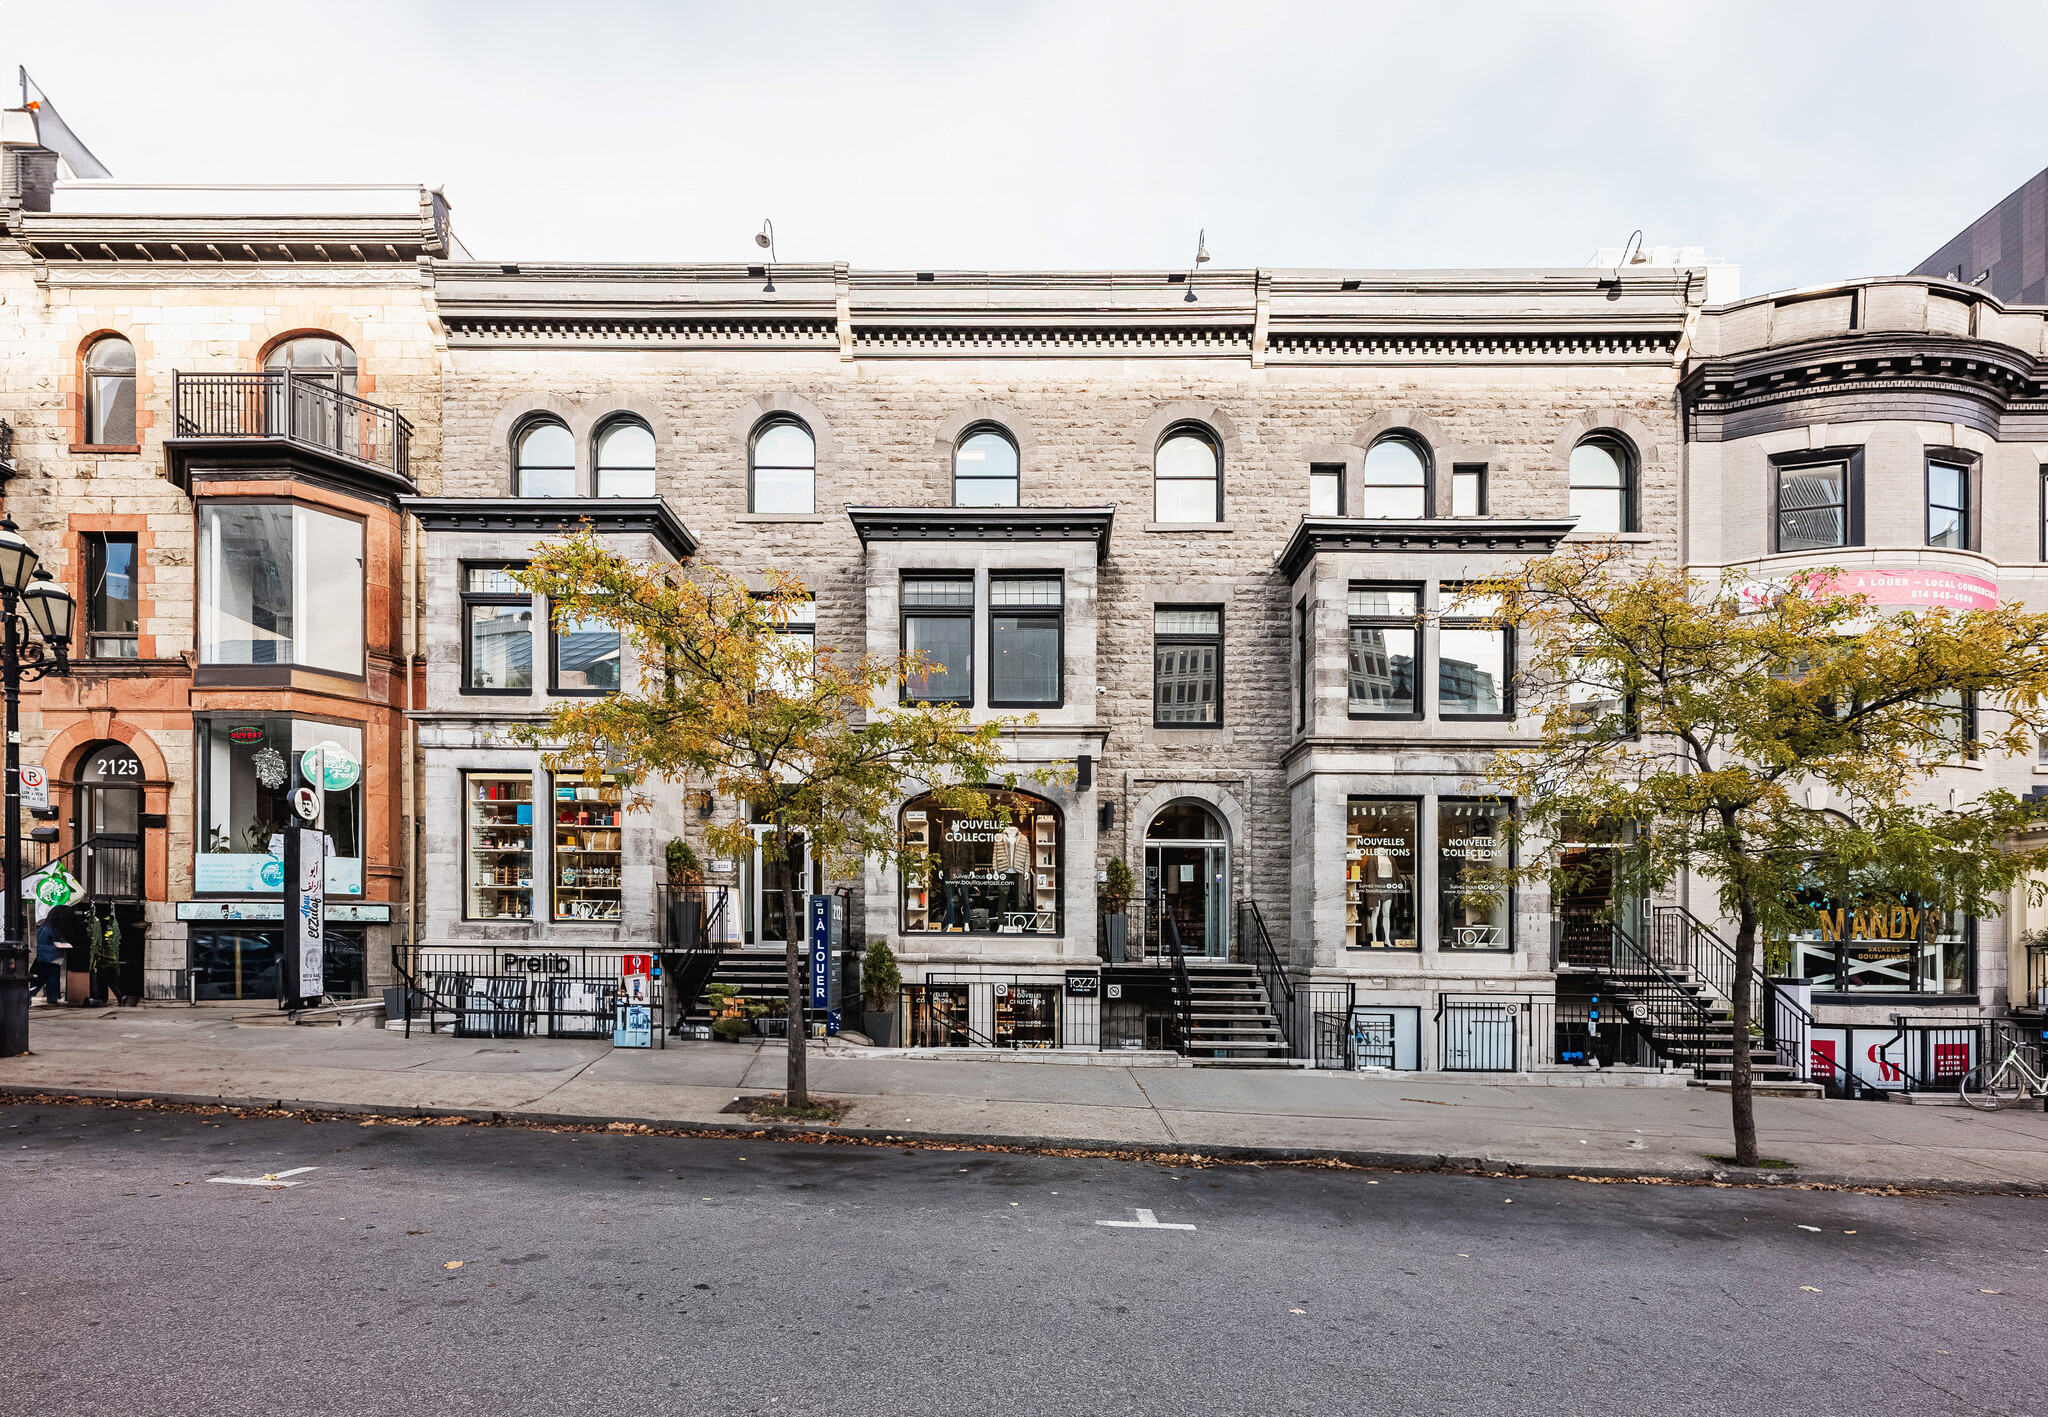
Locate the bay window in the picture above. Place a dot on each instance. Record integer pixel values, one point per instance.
(248, 767)
(1024, 632)
(938, 624)
(1380, 658)
(1473, 658)
(280, 585)
(497, 618)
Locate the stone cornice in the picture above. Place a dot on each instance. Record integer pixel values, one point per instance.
(1525, 536)
(985, 524)
(555, 515)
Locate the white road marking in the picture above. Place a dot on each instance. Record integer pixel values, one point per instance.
(1146, 1221)
(275, 1180)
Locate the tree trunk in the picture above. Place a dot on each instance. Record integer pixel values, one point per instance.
(796, 1092)
(1741, 1100)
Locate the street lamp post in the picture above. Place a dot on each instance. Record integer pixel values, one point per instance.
(24, 585)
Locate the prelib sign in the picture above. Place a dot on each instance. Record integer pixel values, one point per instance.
(303, 978)
(35, 788)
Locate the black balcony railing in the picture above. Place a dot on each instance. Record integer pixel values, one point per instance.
(304, 410)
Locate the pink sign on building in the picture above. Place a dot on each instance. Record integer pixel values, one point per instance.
(1899, 590)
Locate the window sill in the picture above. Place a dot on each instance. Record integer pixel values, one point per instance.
(1170, 528)
(814, 518)
(1632, 538)
(107, 449)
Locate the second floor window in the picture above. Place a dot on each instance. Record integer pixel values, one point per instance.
(586, 656)
(1396, 481)
(110, 393)
(112, 602)
(497, 617)
(1187, 666)
(1948, 505)
(938, 624)
(280, 584)
(1813, 506)
(784, 475)
(321, 358)
(546, 461)
(1383, 651)
(985, 470)
(625, 460)
(1472, 658)
(1468, 490)
(1024, 631)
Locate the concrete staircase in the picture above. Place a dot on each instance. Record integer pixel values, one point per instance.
(1232, 1024)
(1694, 1030)
(761, 976)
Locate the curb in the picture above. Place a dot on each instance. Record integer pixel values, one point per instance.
(1367, 1160)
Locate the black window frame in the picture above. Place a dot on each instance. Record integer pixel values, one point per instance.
(761, 430)
(1334, 470)
(1477, 471)
(555, 689)
(1423, 451)
(1055, 613)
(533, 852)
(2041, 521)
(1302, 638)
(520, 433)
(1445, 591)
(95, 558)
(1454, 799)
(976, 430)
(489, 597)
(1188, 641)
(905, 612)
(1852, 490)
(1208, 435)
(1965, 465)
(93, 409)
(1411, 623)
(605, 429)
(1624, 454)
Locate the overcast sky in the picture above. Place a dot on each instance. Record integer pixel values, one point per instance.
(1808, 142)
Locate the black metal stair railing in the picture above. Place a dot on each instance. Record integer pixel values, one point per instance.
(1684, 941)
(1665, 1007)
(1255, 947)
(1183, 989)
(281, 404)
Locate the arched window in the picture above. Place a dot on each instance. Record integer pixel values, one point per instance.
(1396, 480)
(545, 460)
(1603, 485)
(985, 469)
(109, 821)
(320, 357)
(625, 459)
(110, 393)
(997, 874)
(1187, 477)
(784, 475)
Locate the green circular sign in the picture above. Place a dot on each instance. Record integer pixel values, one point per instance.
(337, 769)
(56, 886)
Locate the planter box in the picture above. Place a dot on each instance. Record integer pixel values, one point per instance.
(1118, 928)
(880, 1028)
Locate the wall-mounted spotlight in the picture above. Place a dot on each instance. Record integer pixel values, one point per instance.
(765, 238)
(1201, 259)
(706, 803)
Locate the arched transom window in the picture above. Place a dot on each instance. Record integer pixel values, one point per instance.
(784, 475)
(1188, 477)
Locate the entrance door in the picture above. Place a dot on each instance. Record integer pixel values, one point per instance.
(1187, 879)
(109, 823)
(761, 904)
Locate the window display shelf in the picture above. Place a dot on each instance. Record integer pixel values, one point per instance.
(589, 862)
(499, 844)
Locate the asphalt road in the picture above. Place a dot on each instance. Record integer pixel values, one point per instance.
(614, 1274)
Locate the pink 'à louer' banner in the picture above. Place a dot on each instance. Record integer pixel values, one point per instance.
(1915, 588)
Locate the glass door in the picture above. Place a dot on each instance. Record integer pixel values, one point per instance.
(763, 922)
(1190, 883)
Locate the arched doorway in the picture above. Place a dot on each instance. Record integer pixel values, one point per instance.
(109, 824)
(1187, 878)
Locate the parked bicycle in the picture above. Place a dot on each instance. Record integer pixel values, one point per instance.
(1990, 1086)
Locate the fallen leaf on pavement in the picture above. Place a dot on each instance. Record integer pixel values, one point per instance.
(1809, 1289)
(1297, 1311)
(452, 1264)
(1814, 1228)
(419, 1232)
(1990, 1291)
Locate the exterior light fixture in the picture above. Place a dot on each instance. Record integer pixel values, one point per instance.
(1201, 259)
(765, 238)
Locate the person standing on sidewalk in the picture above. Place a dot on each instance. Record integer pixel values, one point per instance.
(104, 931)
(47, 973)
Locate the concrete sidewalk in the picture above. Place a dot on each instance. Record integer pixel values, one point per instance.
(185, 1054)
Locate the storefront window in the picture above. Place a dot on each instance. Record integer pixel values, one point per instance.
(280, 584)
(499, 841)
(1885, 947)
(241, 962)
(992, 875)
(588, 844)
(1379, 871)
(1473, 910)
(247, 770)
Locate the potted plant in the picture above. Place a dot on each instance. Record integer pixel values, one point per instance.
(732, 1017)
(881, 982)
(1116, 896)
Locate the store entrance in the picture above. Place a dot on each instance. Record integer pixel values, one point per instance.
(1187, 879)
(1584, 906)
(762, 918)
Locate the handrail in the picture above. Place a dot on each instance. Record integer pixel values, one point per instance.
(1182, 988)
(279, 403)
(1674, 1005)
(1688, 941)
(1266, 961)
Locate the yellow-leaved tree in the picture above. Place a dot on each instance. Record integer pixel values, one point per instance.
(1773, 739)
(820, 744)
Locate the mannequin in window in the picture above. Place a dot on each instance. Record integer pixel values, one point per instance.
(1380, 888)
